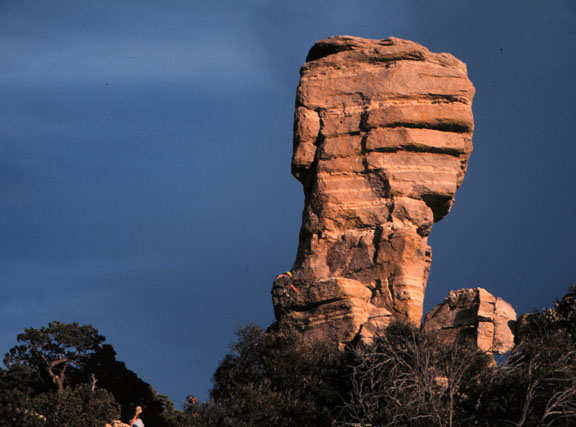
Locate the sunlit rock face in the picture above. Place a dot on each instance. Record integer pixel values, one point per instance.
(474, 317)
(382, 135)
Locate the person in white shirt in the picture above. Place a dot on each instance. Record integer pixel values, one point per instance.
(136, 421)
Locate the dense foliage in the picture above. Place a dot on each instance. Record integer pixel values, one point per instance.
(405, 377)
(275, 380)
(129, 390)
(56, 351)
(63, 375)
(537, 384)
(79, 406)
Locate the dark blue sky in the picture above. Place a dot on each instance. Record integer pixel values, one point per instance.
(145, 163)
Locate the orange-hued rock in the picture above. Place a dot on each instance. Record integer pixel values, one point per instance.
(474, 316)
(333, 309)
(382, 136)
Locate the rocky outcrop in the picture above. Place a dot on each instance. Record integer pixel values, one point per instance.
(334, 309)
(382, 136)
(474, 316)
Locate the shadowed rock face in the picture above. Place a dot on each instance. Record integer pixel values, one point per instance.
(382, 136)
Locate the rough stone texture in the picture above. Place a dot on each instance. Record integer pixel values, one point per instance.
(334, 309)
(474, 316)
(382, 136)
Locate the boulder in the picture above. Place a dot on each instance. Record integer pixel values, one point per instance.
(474, 317)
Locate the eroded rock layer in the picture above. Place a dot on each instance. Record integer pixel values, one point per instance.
(382, 136)
(474, 316)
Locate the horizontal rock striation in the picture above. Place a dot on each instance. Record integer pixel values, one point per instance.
(474, 316)
(382, 135)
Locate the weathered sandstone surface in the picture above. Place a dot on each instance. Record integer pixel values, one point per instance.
(382, 135)
(474, 316)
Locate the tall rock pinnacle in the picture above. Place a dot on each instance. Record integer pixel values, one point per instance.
(382, 135)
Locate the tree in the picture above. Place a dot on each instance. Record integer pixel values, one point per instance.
(79, 406)
(537, 384)
(405, 377)
(548, 367)
(275, 379)
(16, 386)
(72, 357)
(563, 315)
(56, 350)
(129, 390)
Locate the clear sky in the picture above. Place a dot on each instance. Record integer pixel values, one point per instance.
(145, 148)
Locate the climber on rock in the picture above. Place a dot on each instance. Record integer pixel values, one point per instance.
(282, 289)
(283, 285)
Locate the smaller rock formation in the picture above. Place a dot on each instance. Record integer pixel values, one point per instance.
(474, 316)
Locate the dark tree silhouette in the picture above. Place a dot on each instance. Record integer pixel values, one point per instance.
(73, 358)
(275, 379)
(56, 350)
